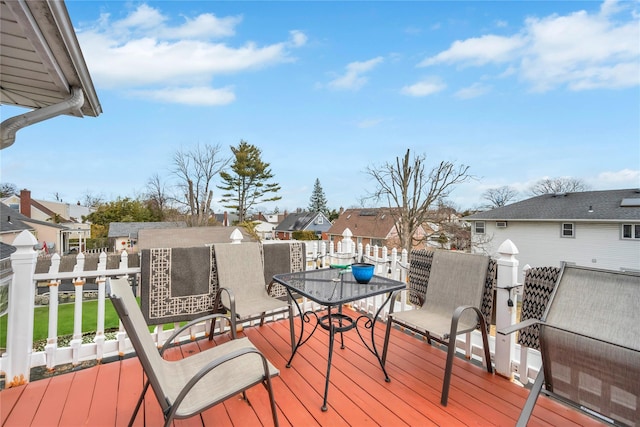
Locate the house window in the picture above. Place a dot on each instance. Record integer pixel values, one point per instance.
(568, 229)
(319, 220)
(631, 231)
(479, 227)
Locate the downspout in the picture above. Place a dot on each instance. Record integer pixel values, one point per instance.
(9, 127)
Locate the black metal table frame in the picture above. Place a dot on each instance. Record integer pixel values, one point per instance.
(337, 322)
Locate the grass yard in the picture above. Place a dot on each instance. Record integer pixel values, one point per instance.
(65, 320)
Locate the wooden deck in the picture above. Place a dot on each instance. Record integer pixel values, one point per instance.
(105, 395)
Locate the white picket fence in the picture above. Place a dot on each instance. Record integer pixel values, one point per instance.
(20, 356)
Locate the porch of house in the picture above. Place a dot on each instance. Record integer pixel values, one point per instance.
(105, 395)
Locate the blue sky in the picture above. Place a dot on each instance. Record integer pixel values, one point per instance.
(518, 91)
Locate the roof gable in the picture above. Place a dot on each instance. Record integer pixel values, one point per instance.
(304, 221)
(11, 220)
(377, 223)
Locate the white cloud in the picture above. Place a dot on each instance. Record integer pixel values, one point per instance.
(353, 78)
(477, 51)
(580, 50)
(145, 54)
(623, 178)
(425, 87)
(205, 25)
(298, 38)
(196, 96)
(473, 91)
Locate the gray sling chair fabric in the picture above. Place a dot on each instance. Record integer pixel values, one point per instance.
(590, 344)
(241, 285)
(191, 385)
(453, 306)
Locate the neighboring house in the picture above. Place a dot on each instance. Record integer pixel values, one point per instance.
(302, 221)
(13, 223)
(266, 224)
(124, 235)
(592, 228)
(187, 237)
(6, 274)
(226, 219)
(58, 213)
(273, 218)
(265, 230)
(369, 226)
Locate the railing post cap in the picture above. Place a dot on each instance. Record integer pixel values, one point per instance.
(347, 233)
(236, 236)
(508, 248)
(25, 239)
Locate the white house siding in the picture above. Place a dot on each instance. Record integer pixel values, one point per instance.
(539, 243)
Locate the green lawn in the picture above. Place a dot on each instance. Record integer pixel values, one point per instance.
(65, 320)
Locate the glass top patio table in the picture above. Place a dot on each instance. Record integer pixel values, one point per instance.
(333, 287)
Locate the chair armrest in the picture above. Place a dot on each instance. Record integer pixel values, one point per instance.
(216, 363)
(177, 332)
(521, 325)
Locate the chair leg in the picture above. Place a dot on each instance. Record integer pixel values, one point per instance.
(451, 351)
(527, 409)
(485, 344)
(140, 400)
(272, 401)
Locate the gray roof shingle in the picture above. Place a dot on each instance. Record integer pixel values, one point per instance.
(603, 205)
(130, 229)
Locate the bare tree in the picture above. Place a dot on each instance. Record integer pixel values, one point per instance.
(92, 200)
(195, 170)
(558, 185)
(501, 196)
(7, 189)
(407, 185)
(157, 195)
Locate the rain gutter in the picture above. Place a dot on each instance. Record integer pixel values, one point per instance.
(9, 127)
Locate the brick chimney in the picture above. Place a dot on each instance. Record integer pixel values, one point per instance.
(25, 203)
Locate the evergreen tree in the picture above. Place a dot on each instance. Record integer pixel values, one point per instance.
(247, 183)
(318, 202)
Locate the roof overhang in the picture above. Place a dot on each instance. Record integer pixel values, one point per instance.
(41, 64)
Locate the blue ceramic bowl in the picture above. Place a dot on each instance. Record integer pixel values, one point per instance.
(362, 272)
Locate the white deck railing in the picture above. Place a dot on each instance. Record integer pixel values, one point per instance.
(20, 356)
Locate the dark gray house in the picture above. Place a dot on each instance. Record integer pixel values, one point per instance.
(302, 221)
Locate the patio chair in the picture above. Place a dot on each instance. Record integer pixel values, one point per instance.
(242, 288)
(590, 345)
(191, 385)
(539, 283)
(456, 289)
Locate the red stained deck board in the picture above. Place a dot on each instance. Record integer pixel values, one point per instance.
(53, 403)
(22, 413)
(8, 399)
(358, 394)
(80, 396)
